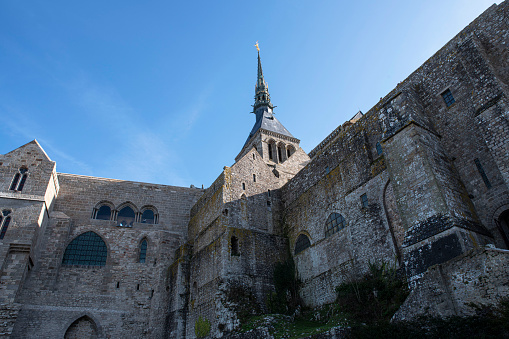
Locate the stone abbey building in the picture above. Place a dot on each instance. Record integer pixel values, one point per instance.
(421, 181)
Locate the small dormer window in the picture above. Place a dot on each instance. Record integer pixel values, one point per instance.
(379, 149)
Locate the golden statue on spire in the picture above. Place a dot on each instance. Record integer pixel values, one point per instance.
(256, 45)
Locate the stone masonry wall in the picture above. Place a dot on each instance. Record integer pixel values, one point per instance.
(129, 298)
(477, 277)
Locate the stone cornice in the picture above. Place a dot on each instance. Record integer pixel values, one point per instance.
(21, 196)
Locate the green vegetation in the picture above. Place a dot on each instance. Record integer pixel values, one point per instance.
(363, 309)
(242, 301)
(202, 327)
(375, 297)
(286, 298)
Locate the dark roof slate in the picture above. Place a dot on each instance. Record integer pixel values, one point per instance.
(268, 122)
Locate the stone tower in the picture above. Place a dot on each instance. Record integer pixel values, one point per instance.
(277, 146)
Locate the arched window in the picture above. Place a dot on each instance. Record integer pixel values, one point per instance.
(148, 217)
(17, 184)
(86, 249)
(103, 213)
(143, 251)
(126, 217)
(302, 243)
(279, 154)
(289, 151)
(5, 220)
(335, 222)
(270, 151)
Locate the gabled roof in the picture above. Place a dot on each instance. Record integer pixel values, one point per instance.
(32, 144)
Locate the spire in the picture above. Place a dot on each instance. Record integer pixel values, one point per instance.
(262, 96)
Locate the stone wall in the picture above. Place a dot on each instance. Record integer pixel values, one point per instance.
(426, 192)
(478, 277)
(127, 297)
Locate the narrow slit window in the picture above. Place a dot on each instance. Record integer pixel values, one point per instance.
(379, 149)
(4, 224)
(270, 151)
(482, 173)
(244, 186)
(22, 182)
(254, 177)
(143, 251)
(364, 200)
(235, 246)
(15, 182)
(448, 98)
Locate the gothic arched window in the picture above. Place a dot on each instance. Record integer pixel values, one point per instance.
(148, 217)
(17, 184)
(143, 251)
(302, 243)
(335, 222)
(86, 249)
(126, 217)
(102, 213)
(5, 220)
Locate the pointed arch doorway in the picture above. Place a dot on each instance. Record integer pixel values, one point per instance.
(82, 328)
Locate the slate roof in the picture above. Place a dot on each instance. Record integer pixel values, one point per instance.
(268, 122)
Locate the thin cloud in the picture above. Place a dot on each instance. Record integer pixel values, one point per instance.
(144, 152)
(26, 128)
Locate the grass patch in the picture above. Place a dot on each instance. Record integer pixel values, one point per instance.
(281, 326)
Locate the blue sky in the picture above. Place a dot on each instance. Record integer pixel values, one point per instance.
(160, 91)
